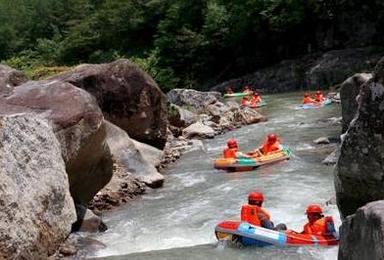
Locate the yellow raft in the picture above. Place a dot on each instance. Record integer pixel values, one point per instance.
(248, 164)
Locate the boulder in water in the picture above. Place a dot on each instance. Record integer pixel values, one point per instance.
(359, 173)
(362, 234)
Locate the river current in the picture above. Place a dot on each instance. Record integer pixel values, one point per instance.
(178, 220)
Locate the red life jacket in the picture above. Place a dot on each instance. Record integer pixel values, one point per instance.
(230, 152)
(250, 214)
(319, 98)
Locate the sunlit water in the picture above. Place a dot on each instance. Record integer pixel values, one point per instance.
(179, 219)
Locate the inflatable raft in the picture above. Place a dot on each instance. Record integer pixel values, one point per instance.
(250, 235)
(248, 164)
(259, 104)
(238, 94)
(315, 105)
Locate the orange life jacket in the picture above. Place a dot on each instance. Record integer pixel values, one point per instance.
(320, 227)
(308, 100)
(230, 152)
(267, 148)
(255, 100)
(244, 101)
(250, 214)
(319, 98)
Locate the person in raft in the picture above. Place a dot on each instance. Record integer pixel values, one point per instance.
(229, 90)
(244, 101)
(317, 223)
(271, 145)
(232, 150)
(247, 89)
(254, 214)
(255, 99)
(319, 97)
(308, 100)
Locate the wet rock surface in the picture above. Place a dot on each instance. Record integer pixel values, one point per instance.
(36, 209)
(362, 234)
(78, 247)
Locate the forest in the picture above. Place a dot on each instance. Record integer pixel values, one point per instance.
(181, 43)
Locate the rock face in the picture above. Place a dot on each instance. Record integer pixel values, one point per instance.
(36, 210)
(128, 97)
(79, 126)
(348, 94)
(309, 72)
(126, 155)
(10, 78)
(180, 117)
(359, 172)
(151, 154)
(362, 234)
(193, 99)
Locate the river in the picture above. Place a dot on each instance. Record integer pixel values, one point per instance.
(178, 220)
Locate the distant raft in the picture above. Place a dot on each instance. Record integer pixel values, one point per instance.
(316, 105)
(258, 104)
(248, 164)
(250, 235)
(238, 94)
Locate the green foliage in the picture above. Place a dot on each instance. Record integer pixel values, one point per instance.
(181, 43)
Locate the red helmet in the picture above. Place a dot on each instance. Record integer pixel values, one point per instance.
(255, 196)
(318, 92)
(232, 143)
(313, 208)
(271, 138)
(306, 95)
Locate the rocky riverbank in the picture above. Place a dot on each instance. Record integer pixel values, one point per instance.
(97, 164)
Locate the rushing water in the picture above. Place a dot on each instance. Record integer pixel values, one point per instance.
(179, 219)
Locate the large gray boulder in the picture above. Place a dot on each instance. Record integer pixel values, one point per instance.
(128, 97)
(348, 94)
(9, 78)
(151, 154)
(193, 100)
(36, 209)
(362, 234)
(198, 130)
(126, 155)
(78, 124)
(359, 173)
